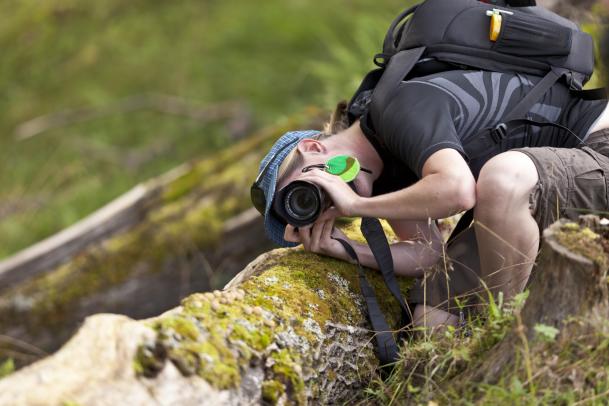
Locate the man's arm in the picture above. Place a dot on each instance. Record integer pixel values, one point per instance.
(447, 188)
(410, 258)
(420, 248)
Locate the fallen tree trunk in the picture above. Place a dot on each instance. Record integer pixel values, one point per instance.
(290, 329)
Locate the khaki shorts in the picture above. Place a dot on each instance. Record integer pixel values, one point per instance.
(572, 182)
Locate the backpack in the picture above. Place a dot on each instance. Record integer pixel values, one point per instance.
(440, 35)
(510, 36)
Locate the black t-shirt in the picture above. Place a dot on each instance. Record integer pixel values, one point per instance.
(448, 109)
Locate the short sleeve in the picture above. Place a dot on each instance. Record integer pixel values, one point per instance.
(419, 121)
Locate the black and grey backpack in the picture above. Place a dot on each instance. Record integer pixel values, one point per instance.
(437, 35)
(516, 37)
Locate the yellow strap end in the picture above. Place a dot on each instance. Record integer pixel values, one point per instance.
(496, 20)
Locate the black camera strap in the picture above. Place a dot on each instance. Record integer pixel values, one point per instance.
(385, 343)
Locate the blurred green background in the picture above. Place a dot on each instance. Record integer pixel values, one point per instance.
(101, 79)
(120, 91)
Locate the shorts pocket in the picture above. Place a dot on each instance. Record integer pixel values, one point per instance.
(589, 188)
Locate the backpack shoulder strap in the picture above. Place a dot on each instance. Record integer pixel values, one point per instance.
(399, 66)
(489, 139)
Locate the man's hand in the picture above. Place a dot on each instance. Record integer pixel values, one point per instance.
(343, 197)
(317, 238)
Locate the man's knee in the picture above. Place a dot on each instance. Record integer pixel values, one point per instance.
(506, 181)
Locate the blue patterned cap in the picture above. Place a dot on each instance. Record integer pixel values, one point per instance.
(274, 227)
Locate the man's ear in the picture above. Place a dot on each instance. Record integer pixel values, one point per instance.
(311, 145)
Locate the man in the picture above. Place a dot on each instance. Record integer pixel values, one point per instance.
(420, 171)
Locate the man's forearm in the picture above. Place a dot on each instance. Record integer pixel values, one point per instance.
(435, 196)
(409, 258)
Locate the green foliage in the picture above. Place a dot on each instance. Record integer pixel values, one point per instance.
(545, 332)
(65, 54)
(430, 362)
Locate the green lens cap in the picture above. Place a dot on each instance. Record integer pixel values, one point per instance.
(344, 166)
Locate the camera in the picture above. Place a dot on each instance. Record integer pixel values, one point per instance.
(301, 203)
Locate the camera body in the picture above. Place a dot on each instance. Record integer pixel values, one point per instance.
(301, 203)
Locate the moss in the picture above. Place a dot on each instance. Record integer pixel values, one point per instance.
(180, 325)
(287, 368)
(216, 335)
(583, 241)
(149, 360)
(272, 391)
(7, 367)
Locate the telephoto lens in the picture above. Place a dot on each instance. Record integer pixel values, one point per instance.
(301, 203)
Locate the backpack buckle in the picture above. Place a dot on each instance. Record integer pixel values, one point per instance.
(499, 133)
(381, 60)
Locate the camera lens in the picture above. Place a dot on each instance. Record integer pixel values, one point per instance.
(302, 202)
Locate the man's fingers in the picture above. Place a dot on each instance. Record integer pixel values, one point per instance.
(330, 214)
(290, 234)
(327, 231)
(305, 237)
(316, 233)
(325, 180)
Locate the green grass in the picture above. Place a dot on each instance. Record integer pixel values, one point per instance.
(276, 56)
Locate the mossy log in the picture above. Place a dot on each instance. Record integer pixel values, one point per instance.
(188, 231)
(569, 285)
(289, 329)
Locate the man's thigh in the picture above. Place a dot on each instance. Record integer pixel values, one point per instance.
(571, 182)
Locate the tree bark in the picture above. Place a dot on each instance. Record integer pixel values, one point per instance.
(569, 283)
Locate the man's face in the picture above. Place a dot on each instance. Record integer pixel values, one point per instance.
(312, 152)
(312, 156)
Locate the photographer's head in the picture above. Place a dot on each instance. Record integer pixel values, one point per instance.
(281, 162)
(309, 150)
(282, 192)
